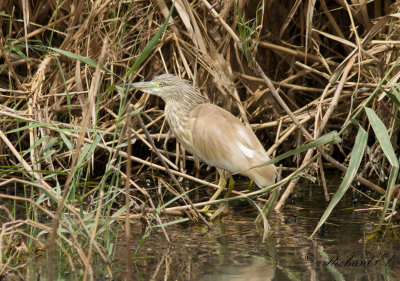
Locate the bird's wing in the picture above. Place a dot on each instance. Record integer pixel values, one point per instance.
(221, 140)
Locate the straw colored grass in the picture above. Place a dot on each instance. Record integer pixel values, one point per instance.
(292, 74)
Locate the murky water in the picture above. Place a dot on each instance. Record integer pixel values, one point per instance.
(232, 249)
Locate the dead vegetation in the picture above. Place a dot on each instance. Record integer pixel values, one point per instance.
(327, 59)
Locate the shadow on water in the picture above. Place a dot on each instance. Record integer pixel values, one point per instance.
(232, 249)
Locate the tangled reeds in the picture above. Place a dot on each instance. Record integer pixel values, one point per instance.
(65, 126)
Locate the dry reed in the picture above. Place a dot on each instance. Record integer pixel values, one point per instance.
(325, 57)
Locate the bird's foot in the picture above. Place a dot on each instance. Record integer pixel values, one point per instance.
(206, 211)
(212, 214)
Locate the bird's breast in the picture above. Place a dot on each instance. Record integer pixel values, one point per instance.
(178, 121)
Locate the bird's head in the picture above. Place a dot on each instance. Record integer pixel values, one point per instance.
(168, 87)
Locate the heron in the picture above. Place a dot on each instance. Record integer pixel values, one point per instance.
(210, 132)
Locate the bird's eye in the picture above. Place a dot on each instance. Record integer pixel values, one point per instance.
(161, 84)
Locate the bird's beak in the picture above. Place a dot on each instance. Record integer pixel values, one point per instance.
(143, 86)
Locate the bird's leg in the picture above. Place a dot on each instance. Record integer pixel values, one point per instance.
(222, 184)
(222, 206)
(231, 185)
(250, 187)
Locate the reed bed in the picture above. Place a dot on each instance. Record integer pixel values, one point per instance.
(293, 73)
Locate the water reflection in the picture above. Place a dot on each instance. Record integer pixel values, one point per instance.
(233, 249)
(259, 269)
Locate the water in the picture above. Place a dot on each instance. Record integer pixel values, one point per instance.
(232, 249)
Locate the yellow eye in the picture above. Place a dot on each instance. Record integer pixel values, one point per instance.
(161, 84)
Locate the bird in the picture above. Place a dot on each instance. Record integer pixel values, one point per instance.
(210, 132)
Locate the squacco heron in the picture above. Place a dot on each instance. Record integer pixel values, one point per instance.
(210, 132)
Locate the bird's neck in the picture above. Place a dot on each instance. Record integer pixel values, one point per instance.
(177, 110)
(181, 105)
(177, 114)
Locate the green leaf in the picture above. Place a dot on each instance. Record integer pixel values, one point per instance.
(42, 197)
(330, 138)
(49, 145)
(267, 209)
(67, 142)
(30, 126)
(87, 150)
(170, 223)
(394, 171)
(396, 91)
(74, 56)
(36, 144)
(88, 130)
(42, 233)
(159, 209)
(125, 144)
(83, 59)
(153, 42)
(47, 155)
(382, 136)
(387, 147)
(393, 97)
(262, 214)
(354, 164)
